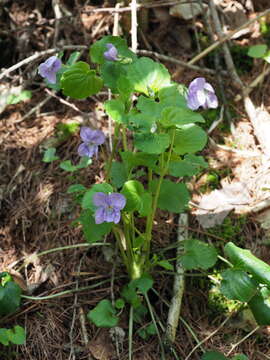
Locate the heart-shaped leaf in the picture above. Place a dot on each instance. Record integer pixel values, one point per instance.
(103, 315)
(79, 81)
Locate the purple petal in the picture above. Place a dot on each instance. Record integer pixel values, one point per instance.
(117, 201)
(100, 215)
(49, 68)
(192, 101)
(86, 134)
(197, 84)
(101, 199)
(86, 150)
(112, 53)
(117, 216)
(201, 96)
(43, 70)
(51, 77)
(50, 61)
(98, 137)
(56, 65)
(201, 93)
(211, 101)
(209, 87)
(109, 214)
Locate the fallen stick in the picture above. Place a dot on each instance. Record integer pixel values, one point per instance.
(178, 286)
(38, 55)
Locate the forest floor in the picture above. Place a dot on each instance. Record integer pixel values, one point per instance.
(36, 213)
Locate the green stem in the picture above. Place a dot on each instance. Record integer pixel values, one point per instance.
(38, 298)
(124, 138)
(155, 324)
(112, 154)
(150, 218)
(225, 261)
(119, 238)
(150, 175)
(60, 249)
(127, 223)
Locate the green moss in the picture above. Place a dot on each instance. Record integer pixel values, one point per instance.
(211, 182)
(218, 303)
(231, 229)
(265, 30)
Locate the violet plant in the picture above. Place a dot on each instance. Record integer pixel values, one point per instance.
(156, 138)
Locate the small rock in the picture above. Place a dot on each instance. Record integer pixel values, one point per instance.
(186, 11)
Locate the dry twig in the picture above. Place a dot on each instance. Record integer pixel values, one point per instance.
(179, 284)
(179, 62)
(38, 55)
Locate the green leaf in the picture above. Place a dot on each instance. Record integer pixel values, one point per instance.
(10, 297)
(79, 81)
(152, 143)
(239, 357)
(116, 110)
(103, 315)
(149, 330)
(118, 174)
(87, 201)
(189, 166)
(146, 204)
(73, 58)
(139, 313)
(76, 188)
(260, 308)
(246, 261)
(120, 303)
(198, 255)
(175, 116)
(130, 295)
(138, 241)
(148, 76)
(132, 159)
(149, 107)
(141, 122)
(144, 283)
(257, 51)
(111, 73)
(266, 56)
(65, 130)
(84, 162)
(4, 340)
(16, 335)
(22, 96)
(237, 285)
(49, 155)
(93, 232)
(189, 139)
(133, 191)
(166, 265)
(99, 47)
(173, 95)
(173, 197)
(124, 86)
(213, 355)
(68, 166)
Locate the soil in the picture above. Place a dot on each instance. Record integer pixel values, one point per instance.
(36, 213)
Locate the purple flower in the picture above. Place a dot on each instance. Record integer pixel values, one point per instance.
(91, 140)
(111, 54)
(49, 68)
(108, 207)
(201, 93)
